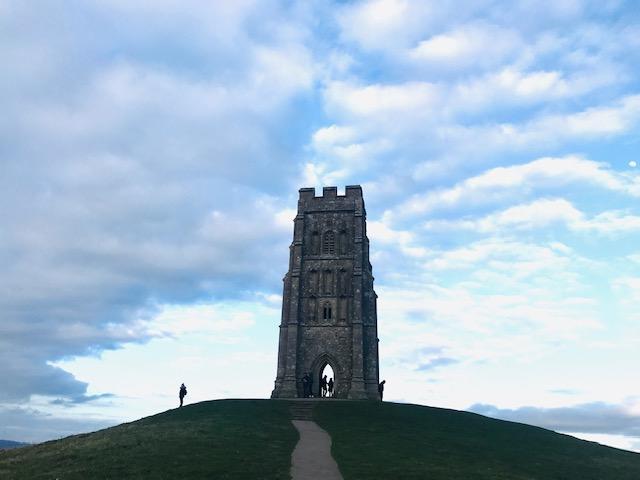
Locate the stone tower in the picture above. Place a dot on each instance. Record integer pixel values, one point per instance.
(329, 306)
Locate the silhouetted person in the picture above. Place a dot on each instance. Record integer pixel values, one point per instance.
(310, 385)
(381, 388)
(323, 386)
(330, 386)
(305, 386)
(183, 393)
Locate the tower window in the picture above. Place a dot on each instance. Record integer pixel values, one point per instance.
(329, 243)
(326, 312)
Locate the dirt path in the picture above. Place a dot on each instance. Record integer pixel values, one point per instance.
(311, 459)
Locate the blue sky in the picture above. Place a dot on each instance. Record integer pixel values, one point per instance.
(151, 154)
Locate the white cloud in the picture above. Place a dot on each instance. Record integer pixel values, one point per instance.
(339, 145)
(629, 285)
(611, 222)
(501, 182)
(204, 319)
(529, 84)
(338, 153)
(468, 46)
(381, 233)
(513, 86)
(542, 213)
(548, 130)
(383, 24)
(476, 326)
(517, 258)
(537, 214)
(363, 101)
(333, 134)
(282, 71)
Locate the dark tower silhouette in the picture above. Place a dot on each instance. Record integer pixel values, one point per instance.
(329, 306)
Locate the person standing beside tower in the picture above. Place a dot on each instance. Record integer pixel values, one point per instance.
(381, 388)
(306, 391)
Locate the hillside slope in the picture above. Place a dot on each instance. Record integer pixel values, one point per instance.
(391, 440)
(224, 439)
(253, 439)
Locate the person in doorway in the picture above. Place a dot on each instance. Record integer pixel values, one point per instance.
(305, 386)
(323, 386)
(381, 388)
(183, 393)
(310, 385)
(330, 387)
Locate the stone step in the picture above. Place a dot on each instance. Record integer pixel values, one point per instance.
(301, 410)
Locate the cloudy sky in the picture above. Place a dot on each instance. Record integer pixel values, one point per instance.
(150, 157)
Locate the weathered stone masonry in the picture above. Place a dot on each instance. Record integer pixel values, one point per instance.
(329, 306)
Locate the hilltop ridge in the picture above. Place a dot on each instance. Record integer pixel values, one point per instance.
(253, 439)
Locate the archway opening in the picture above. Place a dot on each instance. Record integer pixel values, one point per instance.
(327, 381)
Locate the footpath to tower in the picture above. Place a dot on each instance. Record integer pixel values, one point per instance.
(311, 459)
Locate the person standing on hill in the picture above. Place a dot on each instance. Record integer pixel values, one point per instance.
(183, 393)
(330, 387)
(381, 388)
(305, 386)
(323, 386)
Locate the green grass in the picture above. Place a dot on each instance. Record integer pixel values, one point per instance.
(253, 439)
(226, 439)
(395, 441)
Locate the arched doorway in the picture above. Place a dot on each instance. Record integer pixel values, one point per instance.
(325, 364)
(330, 385)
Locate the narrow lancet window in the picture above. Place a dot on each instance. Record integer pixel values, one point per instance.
(326, 311)
(329, 243)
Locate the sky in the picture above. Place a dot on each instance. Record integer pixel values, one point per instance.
(151, 154)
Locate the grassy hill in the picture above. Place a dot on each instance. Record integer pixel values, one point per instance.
(417, 442)
(253, 439)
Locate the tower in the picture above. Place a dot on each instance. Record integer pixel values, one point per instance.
(328, 305)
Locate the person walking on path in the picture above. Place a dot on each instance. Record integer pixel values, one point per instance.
(381, 388)
(330, 386)
(183, 393)
(310, 385)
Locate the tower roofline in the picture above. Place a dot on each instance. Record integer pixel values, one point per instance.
(330, 192)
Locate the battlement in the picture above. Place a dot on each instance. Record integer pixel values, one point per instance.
(350, 191)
